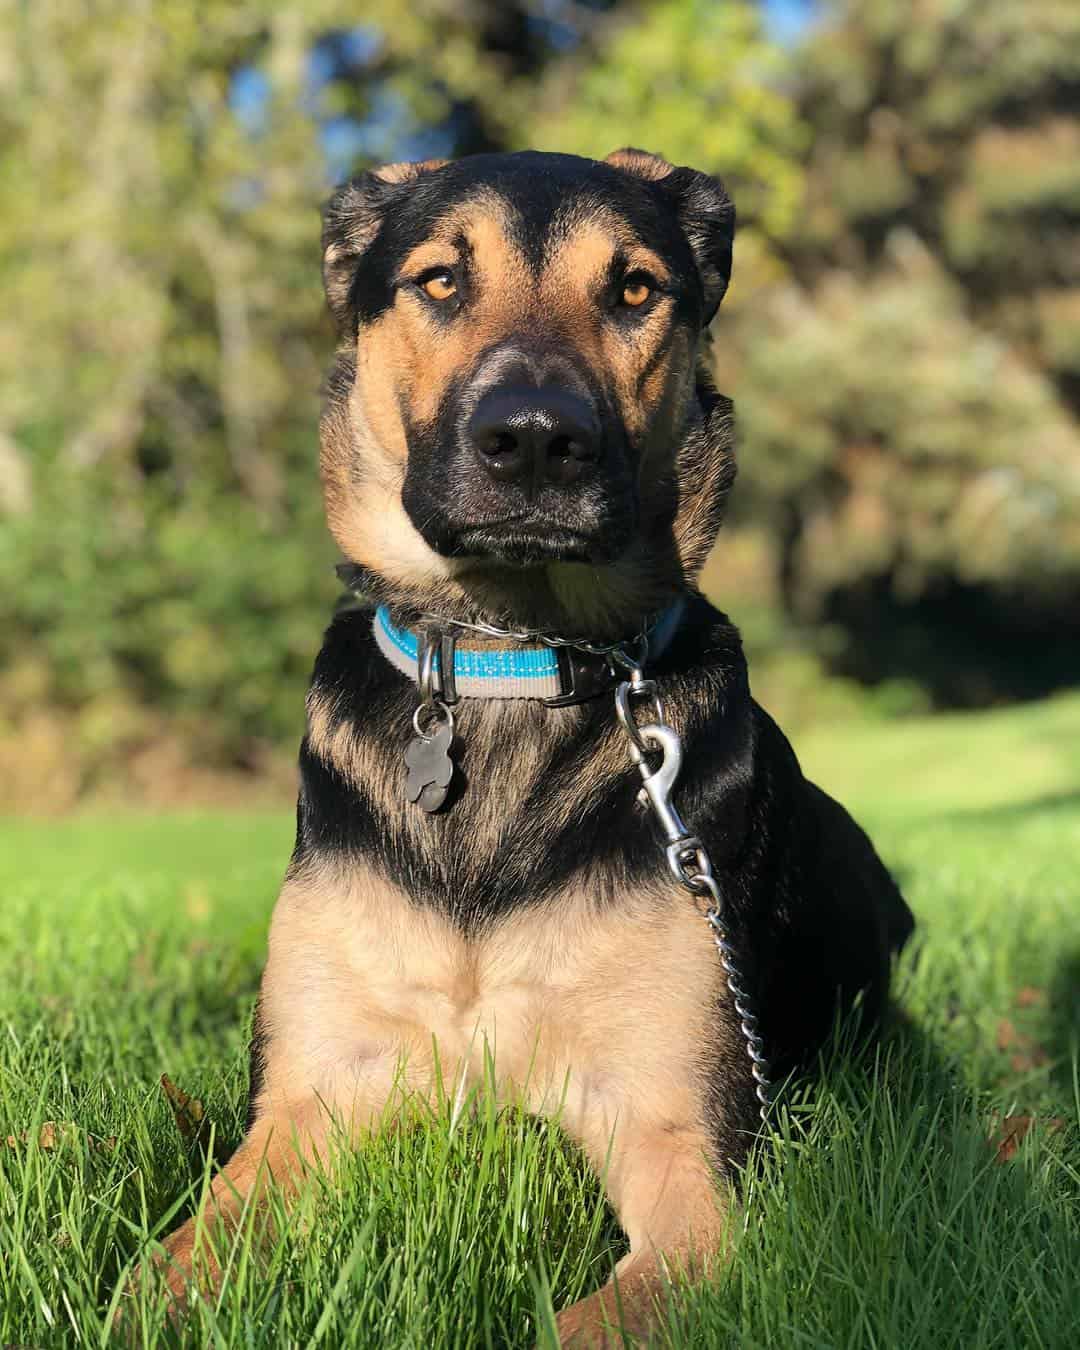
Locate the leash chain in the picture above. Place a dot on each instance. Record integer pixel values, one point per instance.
(687, 856)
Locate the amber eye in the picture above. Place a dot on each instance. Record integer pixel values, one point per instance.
(636, 290)
(439, 285)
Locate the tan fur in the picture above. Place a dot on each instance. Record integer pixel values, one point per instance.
(405, 171)
(358, 977)
(640, 163)
(639, 371)
(404, 357)
(362, 473)
(366, 995)
(405, 360)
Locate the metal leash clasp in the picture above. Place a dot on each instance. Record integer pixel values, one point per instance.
(645, 743)
(686, 855)
(657, 785)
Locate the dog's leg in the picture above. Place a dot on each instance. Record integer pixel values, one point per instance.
(278, 1149)
(670, 1205)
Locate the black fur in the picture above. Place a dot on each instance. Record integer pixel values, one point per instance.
(811, 908)
(256, 1063)
(688, 218)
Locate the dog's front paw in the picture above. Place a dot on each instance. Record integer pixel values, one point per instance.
(603, 1321)
(172, 1271)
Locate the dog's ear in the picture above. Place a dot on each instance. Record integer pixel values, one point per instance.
(705, 211)
(351, 220)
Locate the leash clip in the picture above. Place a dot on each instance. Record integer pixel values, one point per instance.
(687, 857)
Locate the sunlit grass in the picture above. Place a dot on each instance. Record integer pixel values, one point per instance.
(132, 947)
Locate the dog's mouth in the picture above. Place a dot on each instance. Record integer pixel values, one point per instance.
(528, 542)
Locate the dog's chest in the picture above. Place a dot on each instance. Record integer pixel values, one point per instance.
(568, 1001)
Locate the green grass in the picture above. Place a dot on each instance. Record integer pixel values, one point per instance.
(131, 947)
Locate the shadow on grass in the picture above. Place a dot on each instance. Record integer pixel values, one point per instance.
(885, 1213)
(1015, 813)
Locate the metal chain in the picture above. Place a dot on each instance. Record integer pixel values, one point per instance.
(687, 856)
(616, 650)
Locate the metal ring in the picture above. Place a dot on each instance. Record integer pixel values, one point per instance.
(426, 649)
(447, 672)
(647, 689)
(623, 692)
(691, 852)
(704, 883)
(626, 718)
(632, 664)
(438, 711)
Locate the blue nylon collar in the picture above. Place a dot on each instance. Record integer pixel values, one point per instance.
(516, 671)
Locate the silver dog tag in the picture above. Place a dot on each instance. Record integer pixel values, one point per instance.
(431, 770)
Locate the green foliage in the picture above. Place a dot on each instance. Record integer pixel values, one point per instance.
(902, 335)
(163, 563)
(914, 442)
(700, 84)
(962, 126)
(184, 610)
(909, 396)
(131, 948)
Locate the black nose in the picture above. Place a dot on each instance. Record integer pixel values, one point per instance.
(546, 435)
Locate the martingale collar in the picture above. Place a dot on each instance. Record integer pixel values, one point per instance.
(558, 675)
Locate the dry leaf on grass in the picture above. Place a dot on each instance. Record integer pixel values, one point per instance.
(1030, 997)
(54, 1134)
(1007, 1034)
(1027, 1053)
(1010, 1132)
(192, 1121)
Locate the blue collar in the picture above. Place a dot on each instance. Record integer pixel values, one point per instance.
(556, 675)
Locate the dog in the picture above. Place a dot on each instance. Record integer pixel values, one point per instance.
(524, 464)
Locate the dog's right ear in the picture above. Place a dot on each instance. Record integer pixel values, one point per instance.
(351, 220)
(706, 214)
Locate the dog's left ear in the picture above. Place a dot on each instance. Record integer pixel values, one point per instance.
(352, 219)
(705, 211)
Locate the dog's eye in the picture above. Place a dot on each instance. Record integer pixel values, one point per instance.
(637, 288)
(439, 284)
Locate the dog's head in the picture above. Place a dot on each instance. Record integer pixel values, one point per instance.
(518, 424)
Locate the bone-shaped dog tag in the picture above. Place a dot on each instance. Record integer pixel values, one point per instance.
(431, 770)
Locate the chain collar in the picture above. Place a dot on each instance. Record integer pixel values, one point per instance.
(537, 635)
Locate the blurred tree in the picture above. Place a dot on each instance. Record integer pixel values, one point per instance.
(909, 397)
(959, 120)
(903, 332)
(163, 562)
(701, 84)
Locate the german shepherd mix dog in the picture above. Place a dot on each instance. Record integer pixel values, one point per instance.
(525, 464)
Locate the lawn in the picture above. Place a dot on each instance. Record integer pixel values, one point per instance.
(891, 1211)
